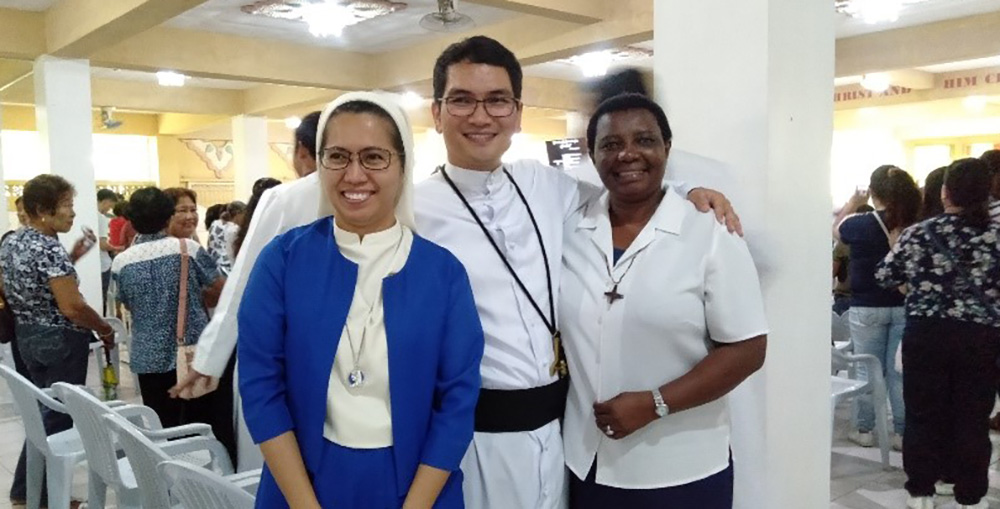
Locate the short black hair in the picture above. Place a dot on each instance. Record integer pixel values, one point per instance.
(235, 208)
(150, 210)
(626, 102)
(17, 201)
(992, 160)
(478, 49)
(968, 183)
(106, 194)
(360, 106)
(305, 133)
(43, 193)
(213, 213)
(121, 209)
(625, 81)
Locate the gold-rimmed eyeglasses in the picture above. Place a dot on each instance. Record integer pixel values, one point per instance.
(370, 158)
(465, 106)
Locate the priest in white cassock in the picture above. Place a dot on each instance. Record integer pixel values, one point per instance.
(504, 222)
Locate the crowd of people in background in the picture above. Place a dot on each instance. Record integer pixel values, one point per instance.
(141, 240)
(476, 404)
(924, 299)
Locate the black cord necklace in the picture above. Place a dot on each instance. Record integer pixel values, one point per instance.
(559, 364)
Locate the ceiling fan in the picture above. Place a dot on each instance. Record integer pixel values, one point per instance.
(107, 120)
(446, 19)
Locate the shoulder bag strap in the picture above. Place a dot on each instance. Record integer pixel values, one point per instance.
(888, 237)
(941, 246)
(182, 296)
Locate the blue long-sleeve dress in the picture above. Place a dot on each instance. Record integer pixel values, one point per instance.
(294, 307)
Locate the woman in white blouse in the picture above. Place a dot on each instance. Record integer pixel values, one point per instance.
(662, 316)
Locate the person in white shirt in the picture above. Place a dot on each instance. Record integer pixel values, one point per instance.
(519, 462)
(662, 315)
(106, 200)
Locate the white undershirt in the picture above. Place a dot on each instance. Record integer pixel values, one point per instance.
(360, 417)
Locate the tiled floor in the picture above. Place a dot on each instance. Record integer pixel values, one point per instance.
(857, 478)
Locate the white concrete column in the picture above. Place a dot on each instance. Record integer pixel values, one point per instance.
(5, 217)
(750, 83)
(65, 127)
(576, 124)
(250, 157)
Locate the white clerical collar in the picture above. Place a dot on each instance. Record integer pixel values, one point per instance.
(475, 182)
(372, 241)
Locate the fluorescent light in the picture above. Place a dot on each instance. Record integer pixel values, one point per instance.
(594, 64)
(293, 122)
(170, 79)
(328, 18)
(411, 100)
(877, 82)
(975, 103)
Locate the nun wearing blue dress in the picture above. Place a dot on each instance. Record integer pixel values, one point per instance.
(359, 341)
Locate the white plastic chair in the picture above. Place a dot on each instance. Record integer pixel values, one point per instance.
(144, 456)
(840, 332)
(122, 337)
(199, 488)
(875, 388)
(59, 453)
(105, 469)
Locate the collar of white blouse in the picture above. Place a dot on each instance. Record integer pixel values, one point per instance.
(596, 219)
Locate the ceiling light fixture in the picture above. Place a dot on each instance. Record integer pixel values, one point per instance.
(170, 79)
(873, 11)
(324, 17)
(593, 64)
(411, 100)
(293, 122)
(975, 103)
(877, 82)
(327, 18)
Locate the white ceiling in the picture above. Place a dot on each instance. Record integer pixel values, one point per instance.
(394, 31)
(964, 65)
(149, 77)
(921, 13)
(27, 5)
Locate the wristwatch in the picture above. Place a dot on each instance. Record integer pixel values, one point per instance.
(661, 406)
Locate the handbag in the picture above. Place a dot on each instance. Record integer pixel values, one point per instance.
(6, 321)
(185, 353)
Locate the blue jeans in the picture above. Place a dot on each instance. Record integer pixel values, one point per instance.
(879, 332)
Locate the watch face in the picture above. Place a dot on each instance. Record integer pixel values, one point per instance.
(661, 411)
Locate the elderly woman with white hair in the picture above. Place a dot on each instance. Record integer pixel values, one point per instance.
(359, 340)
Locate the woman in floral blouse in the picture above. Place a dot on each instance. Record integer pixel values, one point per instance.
(148, 276)
(950, 265)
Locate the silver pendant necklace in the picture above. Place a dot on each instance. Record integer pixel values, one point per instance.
(357, 378)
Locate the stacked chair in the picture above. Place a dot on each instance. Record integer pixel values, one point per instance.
(52, 456)
(137, 429)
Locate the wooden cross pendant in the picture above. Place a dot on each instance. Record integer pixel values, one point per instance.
(613, 295)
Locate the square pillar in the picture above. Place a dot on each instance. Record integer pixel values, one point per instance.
(250, 154)
(5, 217)
(750, 84)
(63, 112)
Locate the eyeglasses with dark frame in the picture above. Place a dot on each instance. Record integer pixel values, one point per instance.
(465, 106)
(370, 158)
